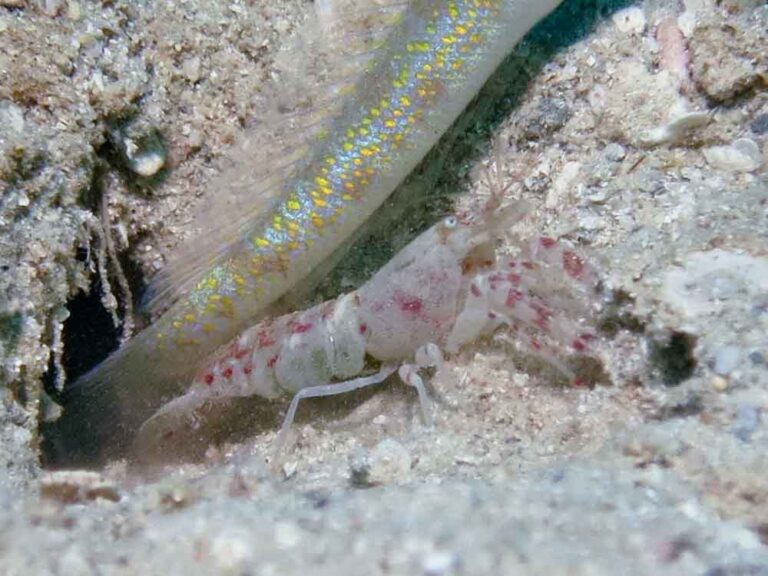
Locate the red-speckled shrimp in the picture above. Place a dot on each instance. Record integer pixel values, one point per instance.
(439, 293)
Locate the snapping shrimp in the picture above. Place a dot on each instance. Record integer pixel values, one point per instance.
(444, 290)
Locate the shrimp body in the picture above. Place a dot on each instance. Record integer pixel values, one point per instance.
(431, 66)
(435, 294)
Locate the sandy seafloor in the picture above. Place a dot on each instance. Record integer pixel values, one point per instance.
(662, 469)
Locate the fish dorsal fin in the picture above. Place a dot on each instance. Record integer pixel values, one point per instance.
(322, 65)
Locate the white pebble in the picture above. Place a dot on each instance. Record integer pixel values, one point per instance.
(674, 130)
(743, 155)
(630, 21)
(390, 461)
(11, 116)
(191, 69)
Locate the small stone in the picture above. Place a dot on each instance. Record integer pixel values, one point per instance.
(388, 462)
(191, 69)
(726, 360)
(674, 130)
(74, 11)
(289, 469)
(551, 115)
(746, 422)
(630, 20)
(614, 152)
(719, 384)
(743, 155)
(144, 162)
(759, 125)
(11, 117)
(727, 59)
(77, 487)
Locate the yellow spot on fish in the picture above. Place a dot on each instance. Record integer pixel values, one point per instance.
(262, 242)
(405, 101)
(293, 204)
(189, 317)
(348, 146)
(209, 327)
(390, 123)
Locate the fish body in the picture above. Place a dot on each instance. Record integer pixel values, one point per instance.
(431, 66)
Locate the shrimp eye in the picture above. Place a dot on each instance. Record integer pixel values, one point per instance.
(450, 222)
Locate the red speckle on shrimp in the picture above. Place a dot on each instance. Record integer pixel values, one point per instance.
(513, 297)
(300, 327)
(547, 242)
(573, 265)
(409, 304)
(227, 373)
(514, 278)
(265, 339)
(208, 378)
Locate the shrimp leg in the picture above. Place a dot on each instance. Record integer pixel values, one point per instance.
(327, 390)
